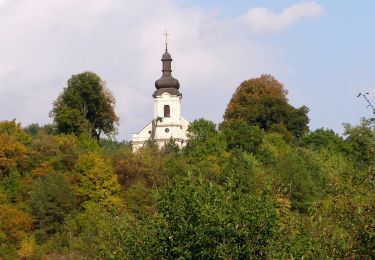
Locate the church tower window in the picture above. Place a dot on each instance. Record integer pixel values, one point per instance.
(167, 111)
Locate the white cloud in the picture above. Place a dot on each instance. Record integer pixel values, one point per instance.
(44, 42)
(262, 20)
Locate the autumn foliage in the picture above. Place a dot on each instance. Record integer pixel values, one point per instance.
(262, 102)
(262, 186)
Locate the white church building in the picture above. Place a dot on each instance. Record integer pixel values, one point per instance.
(167, 122)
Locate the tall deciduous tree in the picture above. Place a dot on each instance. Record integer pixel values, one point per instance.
(262, 101)
(85, 106)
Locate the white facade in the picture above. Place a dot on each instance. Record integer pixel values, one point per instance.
(167, 122)
(173, 126)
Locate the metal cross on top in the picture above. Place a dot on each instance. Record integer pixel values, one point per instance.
(166, 39)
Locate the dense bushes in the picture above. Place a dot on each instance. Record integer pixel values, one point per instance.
(237, 193)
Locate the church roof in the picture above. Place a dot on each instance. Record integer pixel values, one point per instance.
(166, 56)
(171, 91)
(167, 83)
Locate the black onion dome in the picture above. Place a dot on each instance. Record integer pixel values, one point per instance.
(167, 81)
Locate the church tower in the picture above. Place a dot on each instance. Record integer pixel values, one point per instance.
(167, 122)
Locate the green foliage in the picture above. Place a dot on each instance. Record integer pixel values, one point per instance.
(60, 151)
(325, 139)
(139, 199)
(51, 200)
(11, 184)
(200, 219)
(97, 233)
(347, 215)
(243, 173)
(237, 193)
(85, 107)
(242, 136)
(201, 130)
(111, 147)
(34, 129)
(204, 141)
(170, 147)
(262, 101)
(147, 165)
(282, 130)
(11, 128)
(361, 139)
(296, 173)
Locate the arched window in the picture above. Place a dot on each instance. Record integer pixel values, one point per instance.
(167, 111)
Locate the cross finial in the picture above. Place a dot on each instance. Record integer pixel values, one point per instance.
(166, 39)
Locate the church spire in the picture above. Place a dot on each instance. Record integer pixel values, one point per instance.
(166, 59)
(167, 81)
(167, 63)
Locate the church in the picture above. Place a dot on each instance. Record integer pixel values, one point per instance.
(167, 122)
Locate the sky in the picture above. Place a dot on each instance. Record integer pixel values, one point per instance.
(322, 51)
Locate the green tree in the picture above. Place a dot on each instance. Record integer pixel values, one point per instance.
(170, 147)
(97, 233)
(34, 129)
(12, 128)
(203, 220)
(325, 139)
(242, 136)
(204, 141)
(345, 216)
(262, 101)
(361, 139)
(11, 184)
(51, 200)
(242, 172)
(295, 172)
(60, 151)
(85, 107)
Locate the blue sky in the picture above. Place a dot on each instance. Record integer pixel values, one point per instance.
(322, 51)
(331, 59)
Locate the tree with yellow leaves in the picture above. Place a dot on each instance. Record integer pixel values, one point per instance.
(96, 181)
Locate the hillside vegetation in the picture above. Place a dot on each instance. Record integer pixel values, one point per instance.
(262, 185)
